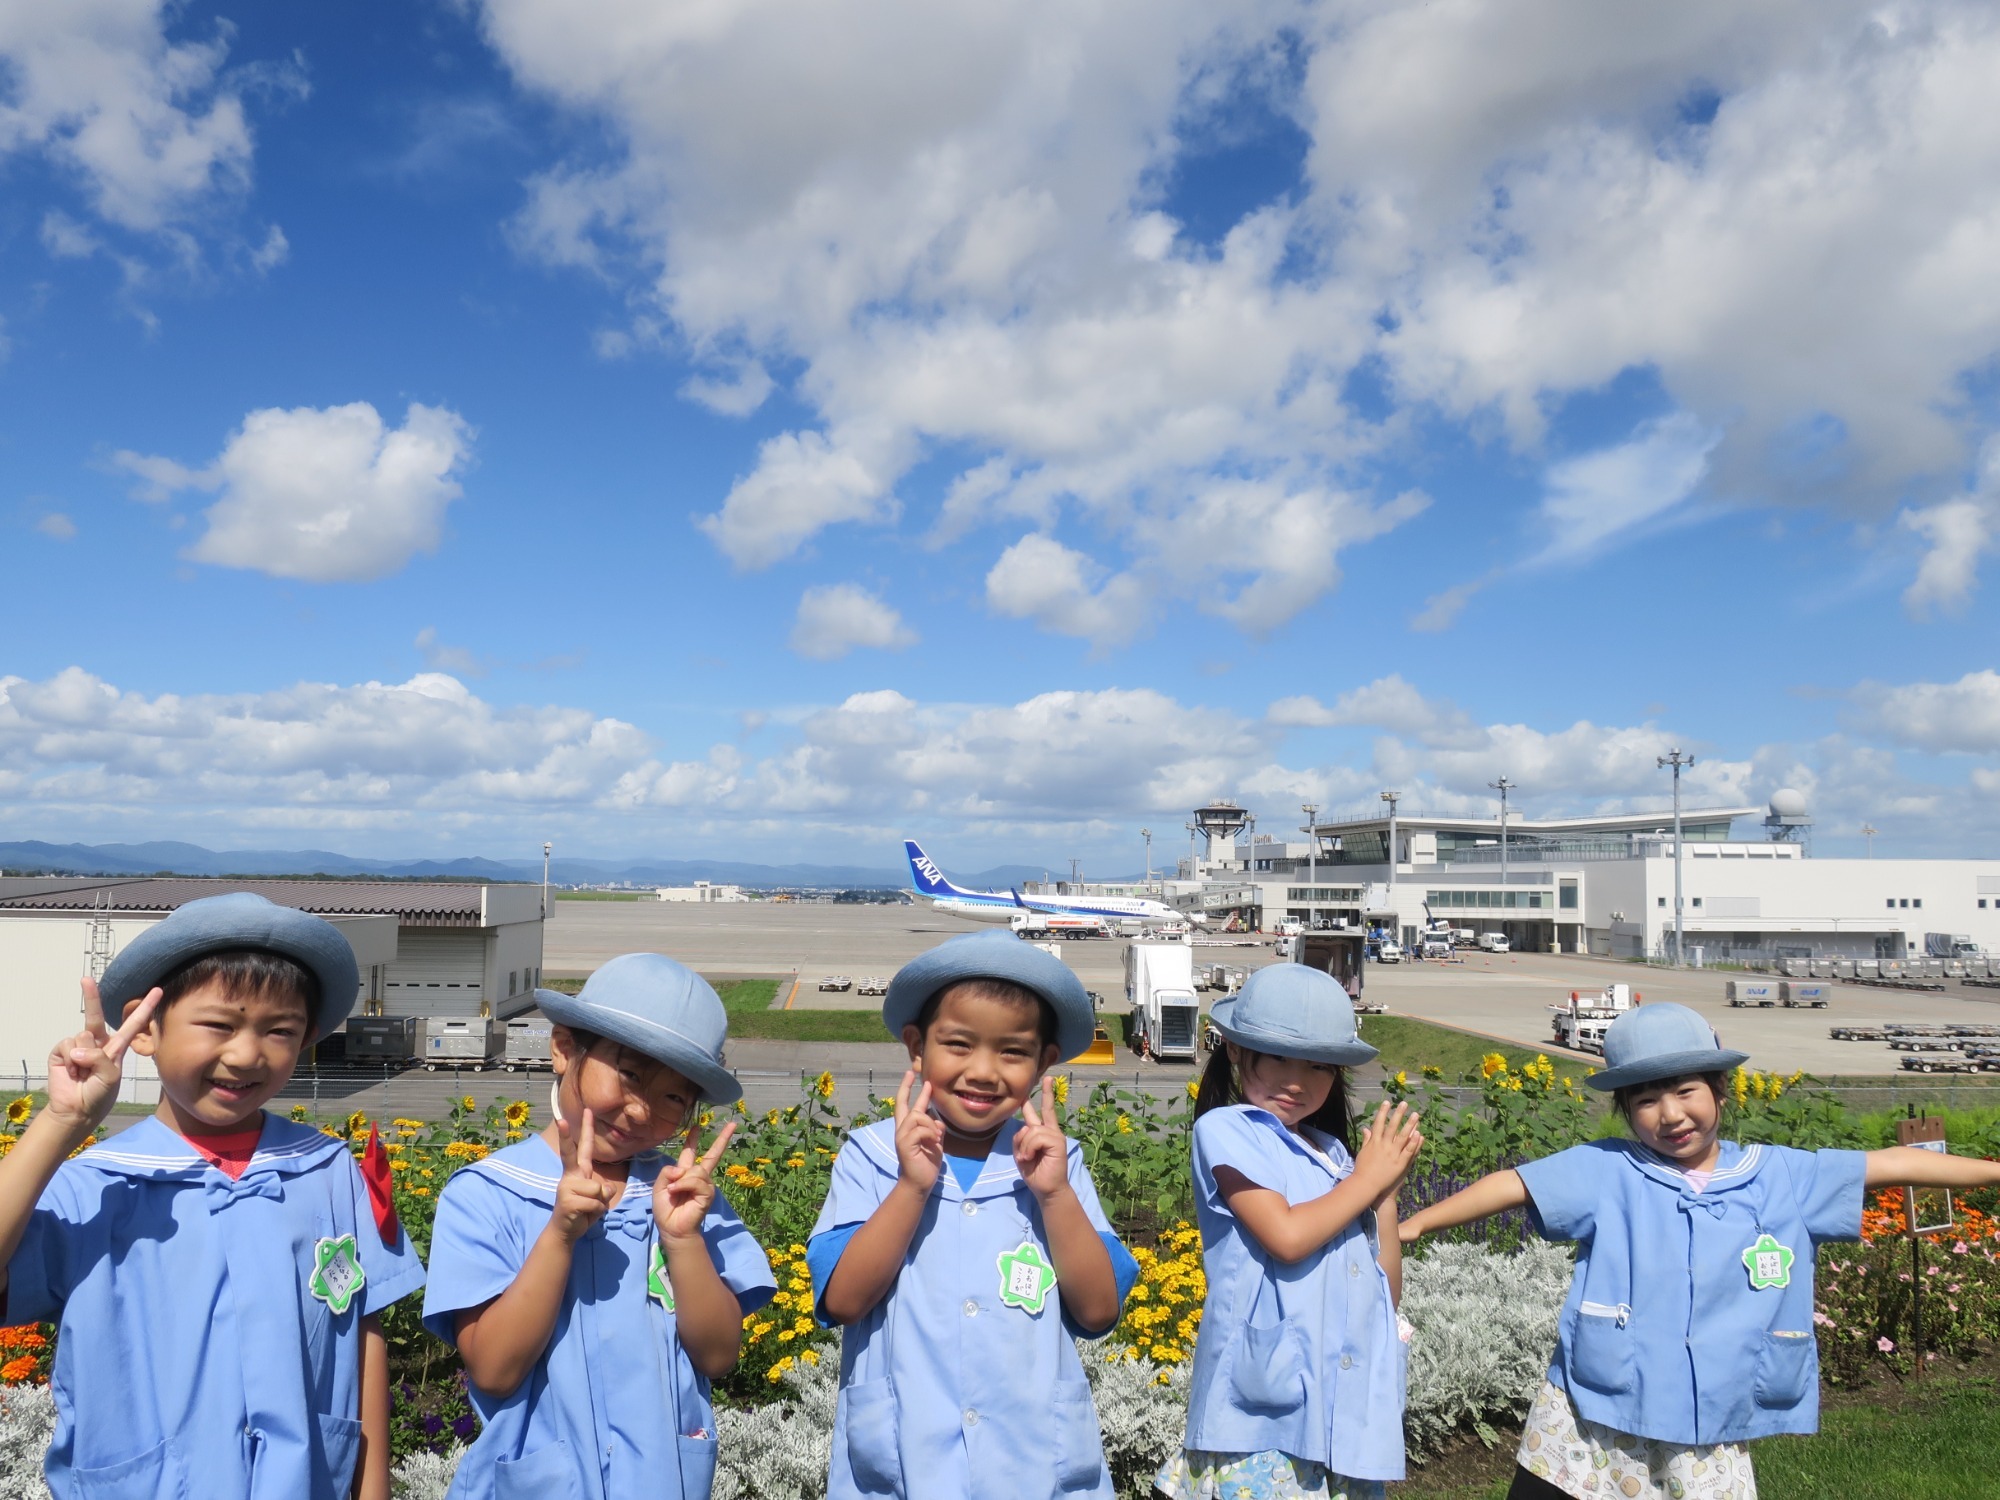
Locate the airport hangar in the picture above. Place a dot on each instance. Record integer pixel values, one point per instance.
(425, 949)
(1602, 885)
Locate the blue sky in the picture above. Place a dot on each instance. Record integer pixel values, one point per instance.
(432, 428)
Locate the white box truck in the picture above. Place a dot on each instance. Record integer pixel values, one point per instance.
(1159, 987)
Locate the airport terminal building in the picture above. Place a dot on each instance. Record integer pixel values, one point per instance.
(1602, 885)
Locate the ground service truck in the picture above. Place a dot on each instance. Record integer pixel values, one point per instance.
(1159, 986)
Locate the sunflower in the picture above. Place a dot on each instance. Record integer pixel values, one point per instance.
(19, 1110)
(465, 1102)
(823, 1085)
(516, 1114)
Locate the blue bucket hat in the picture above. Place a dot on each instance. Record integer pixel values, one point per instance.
(653, 1005)
(1290, 1010)
(232, 923)
(1661, 1040)
(994, 955)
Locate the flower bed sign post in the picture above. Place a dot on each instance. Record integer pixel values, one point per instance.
(1926, 1134)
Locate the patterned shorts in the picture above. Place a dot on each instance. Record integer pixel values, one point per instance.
(1591, 1462)
(1196, 1474)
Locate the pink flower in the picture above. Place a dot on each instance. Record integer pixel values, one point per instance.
(1930, 1270)
(1902, 1275)
(1823, 1320)
(1885, 1345)
(1960, 1248)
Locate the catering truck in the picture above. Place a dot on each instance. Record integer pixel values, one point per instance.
(1338, 953)
(1159, 987)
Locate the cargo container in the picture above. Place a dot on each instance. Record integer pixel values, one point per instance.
(1759, 992)
(1795, 994)
(381, 1038)
(471, 1043)
(527, 1046)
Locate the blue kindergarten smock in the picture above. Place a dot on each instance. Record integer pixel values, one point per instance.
(194, 1359)
(613, 1408)
(945, 1388)
(1689, 1318)
(1301, 1358)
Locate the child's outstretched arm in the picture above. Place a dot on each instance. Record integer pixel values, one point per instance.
(1084, 1279)
(869, 1265)
(707, 1316)
(1906, 1166)
(84, 1071)
(1290, 1231)
(501, 1340)
(1494, 1193)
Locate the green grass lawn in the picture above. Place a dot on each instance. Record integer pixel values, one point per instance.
(1407, 1044)
(1926, 1442)
(749, 1002)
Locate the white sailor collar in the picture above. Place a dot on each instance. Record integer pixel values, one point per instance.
(152, 1150)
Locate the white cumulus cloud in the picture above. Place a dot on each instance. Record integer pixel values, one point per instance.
(1941, 717)
(837, 618)
(330, 495)
(1062, 590)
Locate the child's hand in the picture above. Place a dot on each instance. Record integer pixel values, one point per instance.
(919, 1136)
(683, 1192)
(582, 1197)
(84, 1070)
(1041, 1151)
(1388, 1146)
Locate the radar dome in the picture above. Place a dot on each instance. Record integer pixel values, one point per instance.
(1786, 803)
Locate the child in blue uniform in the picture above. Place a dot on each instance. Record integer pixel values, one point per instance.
(216, 1272)
(964, 1250)
(1688, 1330)
(1299, 1367)
(594, 1285)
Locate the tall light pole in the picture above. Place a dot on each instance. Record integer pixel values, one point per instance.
(1311, 810)
(1503, 786)
(1392, 798)
(1147, 835)
(1677, 760)
(1194, 868)
(1868, 832)
(546, 846)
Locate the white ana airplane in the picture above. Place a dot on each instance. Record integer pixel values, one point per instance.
(1008, 906)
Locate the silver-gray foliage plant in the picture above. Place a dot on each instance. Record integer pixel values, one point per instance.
(1483, 1328)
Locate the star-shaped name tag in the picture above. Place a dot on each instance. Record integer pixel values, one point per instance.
(1769, 1263)
(336, 1273)
(1026, 1279)
(658, 1287)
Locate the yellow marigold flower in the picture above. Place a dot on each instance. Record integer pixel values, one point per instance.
(1124, 1124)
(421, 1192)
(795, 1162)
(809, 1356)
(771, 1116)
(786, 1335)
(516, 1113)
(1432, 1070)
(298, 1113)
(823, 1085)
(777, 1371)
(516, 1135)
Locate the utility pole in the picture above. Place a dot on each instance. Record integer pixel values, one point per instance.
(1675, 759)
(1311, 810)
(1194, 868)
(1392, 798)
(1503, 786)
(546, 846)
(1147, 835)
(1868, 832)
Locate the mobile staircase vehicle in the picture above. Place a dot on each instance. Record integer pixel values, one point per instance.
(1159, 988)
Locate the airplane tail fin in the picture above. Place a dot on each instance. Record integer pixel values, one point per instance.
(924, 875)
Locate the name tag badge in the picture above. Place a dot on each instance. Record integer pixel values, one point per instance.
(336, 1273)
(1769, 1263)
(658, 1287)
(1026, 1278)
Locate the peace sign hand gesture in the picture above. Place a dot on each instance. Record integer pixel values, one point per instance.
(682, 1192)
(919, 1135)
(84, 1070)
(1041, 1151)
(582, 1197)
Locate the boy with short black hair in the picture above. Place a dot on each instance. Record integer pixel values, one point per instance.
(217, 1272)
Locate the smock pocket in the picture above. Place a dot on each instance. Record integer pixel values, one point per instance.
(1269, 1373)
(546, 1474)
(156, 1474)
(872, 1455)
(340, 1442)
(697, 1465)
(1601, 1356)
(1079, 1444)
(1785, 1368)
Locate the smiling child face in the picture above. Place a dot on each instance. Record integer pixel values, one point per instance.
(636, 1102)
(982, 1055)
(222, 1054)
(1678, 1118)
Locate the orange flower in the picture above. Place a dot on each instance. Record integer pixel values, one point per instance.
(18, 1370)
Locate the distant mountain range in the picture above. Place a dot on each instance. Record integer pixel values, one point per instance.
(33, 857)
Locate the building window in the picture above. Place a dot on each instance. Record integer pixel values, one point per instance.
(1892, 903)
(1567, 898)
(1906, 903)
(1918, 903)
(1697, 903)
(513, 981)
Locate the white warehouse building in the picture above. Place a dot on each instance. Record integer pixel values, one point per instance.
(701, 890)
(1605, 885)
(453, 950)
